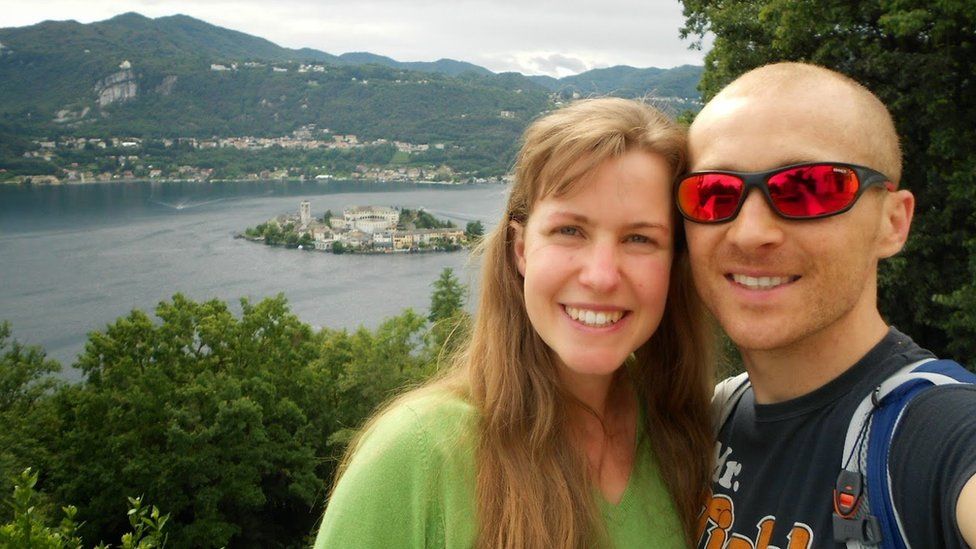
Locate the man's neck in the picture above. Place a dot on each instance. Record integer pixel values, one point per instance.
(782, 374)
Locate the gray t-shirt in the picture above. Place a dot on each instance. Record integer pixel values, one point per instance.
(776, 464)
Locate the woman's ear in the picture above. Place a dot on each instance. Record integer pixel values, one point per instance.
(899, 207)
(518, 245)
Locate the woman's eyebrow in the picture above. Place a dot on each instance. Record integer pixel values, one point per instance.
(583, 220)
(572, 216)
(648, 225)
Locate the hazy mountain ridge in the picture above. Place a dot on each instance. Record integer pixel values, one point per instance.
(79, 52)
(449, 67)
(177, 76)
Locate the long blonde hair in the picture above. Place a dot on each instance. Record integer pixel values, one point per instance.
(533, 486)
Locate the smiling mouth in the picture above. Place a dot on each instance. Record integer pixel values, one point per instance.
(595, 319)
(762, 282)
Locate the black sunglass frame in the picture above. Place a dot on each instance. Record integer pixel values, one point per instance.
(866, 178)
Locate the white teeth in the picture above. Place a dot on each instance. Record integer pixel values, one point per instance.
(594, 318)
(762, 282)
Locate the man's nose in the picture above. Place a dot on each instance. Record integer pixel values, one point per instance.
(757, 225)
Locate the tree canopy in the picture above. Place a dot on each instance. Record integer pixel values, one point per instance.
(229, 424)
(919, 58)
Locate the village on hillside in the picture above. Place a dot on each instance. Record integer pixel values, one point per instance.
(136, 159)
(364, 229)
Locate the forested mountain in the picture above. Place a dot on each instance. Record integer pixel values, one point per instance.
(170, 77)
(449, 67)
(679, 82)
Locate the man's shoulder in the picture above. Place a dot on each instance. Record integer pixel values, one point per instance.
(953, 392)
(932, 456)
(938, 404)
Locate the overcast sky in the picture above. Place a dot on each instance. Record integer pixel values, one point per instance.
(551, 37)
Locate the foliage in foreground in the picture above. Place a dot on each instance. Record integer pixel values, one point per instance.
(30, 527)
(231, 424)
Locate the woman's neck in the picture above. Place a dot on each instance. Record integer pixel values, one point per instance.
(608, 438)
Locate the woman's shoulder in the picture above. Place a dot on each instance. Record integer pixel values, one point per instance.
(412, 469)
(426, 421)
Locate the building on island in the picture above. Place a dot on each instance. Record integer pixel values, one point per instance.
(367, 229)
(368, 219)
(423, 238)
(383, 241)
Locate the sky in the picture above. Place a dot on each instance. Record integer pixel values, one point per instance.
(557, 38)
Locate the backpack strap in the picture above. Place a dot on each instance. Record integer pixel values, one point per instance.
(727, 394)
(865, 515)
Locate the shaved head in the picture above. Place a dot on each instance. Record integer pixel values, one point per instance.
(842, 109)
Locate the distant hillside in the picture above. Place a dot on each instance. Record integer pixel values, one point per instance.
(139, 76)
(181, 77)
(631, 82)
(679, 82)
(449, 67)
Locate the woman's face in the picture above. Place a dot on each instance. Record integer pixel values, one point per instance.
(596, 264)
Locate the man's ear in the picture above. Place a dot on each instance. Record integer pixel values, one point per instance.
(898, 209)
(518, 245)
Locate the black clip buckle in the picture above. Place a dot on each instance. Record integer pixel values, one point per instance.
(866, 530)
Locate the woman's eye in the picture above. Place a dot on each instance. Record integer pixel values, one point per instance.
(568, 231)
(639, 239)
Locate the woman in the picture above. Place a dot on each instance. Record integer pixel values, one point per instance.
(576, 415)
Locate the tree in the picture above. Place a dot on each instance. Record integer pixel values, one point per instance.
(919, 58)
(233, 425)
(29, 425)
(450, 322)
(376, 365)
(216, 419)
(448, 296)
(273, 234)
(292, 239)
(474, 230)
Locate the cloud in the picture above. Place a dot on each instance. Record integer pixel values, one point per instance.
(536, 62)
(556, 63)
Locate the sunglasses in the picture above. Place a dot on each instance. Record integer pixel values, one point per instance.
(799, 191)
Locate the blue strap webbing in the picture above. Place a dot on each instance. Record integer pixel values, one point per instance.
(883, 426)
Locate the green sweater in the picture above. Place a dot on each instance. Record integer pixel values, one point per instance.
(412, 485)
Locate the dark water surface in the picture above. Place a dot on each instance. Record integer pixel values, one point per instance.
(74, 258)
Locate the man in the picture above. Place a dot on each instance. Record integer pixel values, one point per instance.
(787, 262)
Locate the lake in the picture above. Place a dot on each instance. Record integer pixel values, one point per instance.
(74, 258)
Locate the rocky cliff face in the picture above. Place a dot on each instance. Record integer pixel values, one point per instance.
(166, 86)
(119, 86)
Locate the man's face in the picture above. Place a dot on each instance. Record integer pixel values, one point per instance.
(772, 283)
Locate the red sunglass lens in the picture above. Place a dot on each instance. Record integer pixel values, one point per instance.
(709, 197)
(811, 191)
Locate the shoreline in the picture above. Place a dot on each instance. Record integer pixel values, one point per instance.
(14, 182)
(260, 240)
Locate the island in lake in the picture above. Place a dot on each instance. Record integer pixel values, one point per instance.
(364, 229)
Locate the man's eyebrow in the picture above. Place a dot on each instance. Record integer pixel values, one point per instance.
(731, 168)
